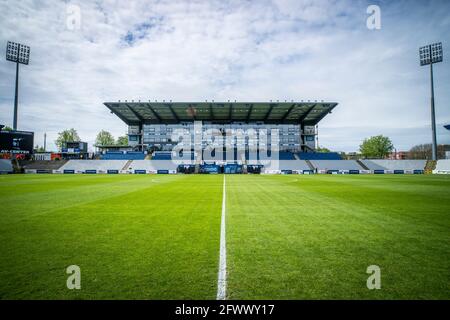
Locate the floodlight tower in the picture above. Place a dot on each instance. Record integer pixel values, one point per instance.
(17, 53)
(430, 54)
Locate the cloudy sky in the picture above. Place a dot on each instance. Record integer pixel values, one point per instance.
(243, 50)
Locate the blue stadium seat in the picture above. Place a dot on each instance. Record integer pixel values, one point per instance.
(286, 155)
(162, 156)
(319, 156)
(129, 155)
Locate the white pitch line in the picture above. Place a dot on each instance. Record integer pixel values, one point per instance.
(222, 278)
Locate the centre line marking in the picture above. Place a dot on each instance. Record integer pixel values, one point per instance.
(222, 278)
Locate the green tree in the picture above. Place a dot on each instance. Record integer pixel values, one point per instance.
(68, 135)
(104, 138)
(6, 128)
(322, 149)
(122, 141)
(376, 147)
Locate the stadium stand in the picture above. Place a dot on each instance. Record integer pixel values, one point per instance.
(362, 164)
(41, 166)
(319, 156)
(233, 166)
(91, 166)
(294, 165)
(188, 155)
(152, 166)
(286, 155)
(119, 155)
(5, 166)
(335, 165)
(442, 167)
(216, 156)
(286, 166)
(161, 155)
(372, 165)
(406, 165)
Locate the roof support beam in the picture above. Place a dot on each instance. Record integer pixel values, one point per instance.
(269, 112)
(137, 115)
(303, 117)
(173, 113)
(118, 114)
(249, 113)
(132, 113)
(211, 112)
(287, 113)
(192, 111)
(153, 112)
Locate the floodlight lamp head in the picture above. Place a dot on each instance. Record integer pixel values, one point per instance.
(431, 54)
(17, 52)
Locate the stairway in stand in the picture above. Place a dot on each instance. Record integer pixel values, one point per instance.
(362, 164)
(310, 165)
(127, 165)
(16, 166)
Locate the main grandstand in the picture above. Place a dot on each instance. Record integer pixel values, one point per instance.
(151, 124)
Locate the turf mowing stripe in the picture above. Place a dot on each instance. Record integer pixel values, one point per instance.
(222, 278)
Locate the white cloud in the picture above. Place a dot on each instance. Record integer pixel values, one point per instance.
(197, 50)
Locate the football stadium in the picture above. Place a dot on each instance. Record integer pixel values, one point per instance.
(220, 200)
(248, 210)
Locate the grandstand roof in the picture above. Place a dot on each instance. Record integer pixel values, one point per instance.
(134, 113)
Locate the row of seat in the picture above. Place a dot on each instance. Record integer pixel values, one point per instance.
(118, 155)
(162, 156)
(395, 164)
(270, 166)
(319, 156)
(442, 167)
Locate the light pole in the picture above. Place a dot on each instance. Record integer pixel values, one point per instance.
(430, 54)
(17, 53)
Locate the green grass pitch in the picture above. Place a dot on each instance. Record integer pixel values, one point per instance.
(288, 237)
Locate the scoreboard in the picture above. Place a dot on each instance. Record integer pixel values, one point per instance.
(17, 142)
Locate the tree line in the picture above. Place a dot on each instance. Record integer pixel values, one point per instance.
(379, 147)
(104, 138)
